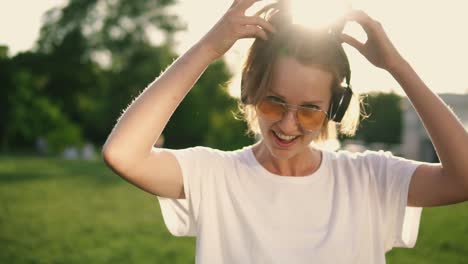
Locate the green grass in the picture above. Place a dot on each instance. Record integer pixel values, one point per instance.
(58, 211)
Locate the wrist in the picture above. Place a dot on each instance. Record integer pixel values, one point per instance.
(206, 52)
(398, 67)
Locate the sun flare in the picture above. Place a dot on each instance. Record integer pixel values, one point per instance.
(318, 13)
(310, 13)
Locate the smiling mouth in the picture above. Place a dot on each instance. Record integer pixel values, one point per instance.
(283, 141)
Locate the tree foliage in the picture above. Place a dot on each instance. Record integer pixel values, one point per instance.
(31, 115)
(206, 115)
(92, 58)
(109, 24)
(384, 124)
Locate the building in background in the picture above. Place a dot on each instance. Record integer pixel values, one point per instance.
(415, 140)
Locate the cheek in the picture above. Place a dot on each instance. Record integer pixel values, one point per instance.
(264, 125)
(312, 136)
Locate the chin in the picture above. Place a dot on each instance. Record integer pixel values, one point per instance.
(285, 153)
(288, 153)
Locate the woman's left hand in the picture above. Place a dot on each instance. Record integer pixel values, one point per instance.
(378, 49)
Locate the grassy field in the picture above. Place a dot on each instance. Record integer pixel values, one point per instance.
(57, 211)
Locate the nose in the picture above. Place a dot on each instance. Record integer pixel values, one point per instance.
(289, 123)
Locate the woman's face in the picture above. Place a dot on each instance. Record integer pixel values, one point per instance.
(300, 85)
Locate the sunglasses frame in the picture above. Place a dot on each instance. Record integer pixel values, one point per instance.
(288, 107)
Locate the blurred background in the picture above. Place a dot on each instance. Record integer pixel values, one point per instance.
(69, 68)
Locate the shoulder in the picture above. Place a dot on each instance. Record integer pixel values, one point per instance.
(195, 152)
(344, 156)
(209, 163)
(373, 162)
(212, 154)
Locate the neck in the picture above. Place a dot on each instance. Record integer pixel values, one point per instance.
(302, 164)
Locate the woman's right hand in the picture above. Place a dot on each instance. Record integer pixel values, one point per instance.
(232, 26)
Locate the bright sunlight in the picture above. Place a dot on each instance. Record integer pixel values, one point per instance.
(316, 13)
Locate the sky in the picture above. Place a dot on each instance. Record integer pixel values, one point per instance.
(431, 35)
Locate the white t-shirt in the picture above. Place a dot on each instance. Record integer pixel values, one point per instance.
(351, 210)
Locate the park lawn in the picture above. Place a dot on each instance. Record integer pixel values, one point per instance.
(60, 211)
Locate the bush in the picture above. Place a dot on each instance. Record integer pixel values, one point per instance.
(32, 116)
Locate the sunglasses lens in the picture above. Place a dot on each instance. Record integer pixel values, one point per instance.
(271, 110)
(311, 119)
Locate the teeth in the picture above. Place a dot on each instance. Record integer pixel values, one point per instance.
(284, 137)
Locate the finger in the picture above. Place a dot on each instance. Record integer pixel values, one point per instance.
(250, 31)
(267, 7)
(258, 21)
(235, 2)
(352, 42)
(338, 26)
(362, 18)
(246, 4)
(358, 16)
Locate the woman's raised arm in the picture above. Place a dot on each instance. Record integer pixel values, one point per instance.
(129, 147)
(432, 184)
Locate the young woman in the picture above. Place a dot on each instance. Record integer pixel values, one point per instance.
(283, 199)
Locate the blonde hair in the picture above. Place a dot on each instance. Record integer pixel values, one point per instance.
(309, 47)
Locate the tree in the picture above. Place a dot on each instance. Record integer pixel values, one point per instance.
(30, 116)
(92, 58)
(384, 123)
(205, 116)
(114, 26)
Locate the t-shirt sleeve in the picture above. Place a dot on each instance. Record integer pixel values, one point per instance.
(181, 215)
(392, 176)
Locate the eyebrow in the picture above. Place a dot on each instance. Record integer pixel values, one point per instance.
(303, 103)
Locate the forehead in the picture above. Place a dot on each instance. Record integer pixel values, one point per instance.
(300, 83)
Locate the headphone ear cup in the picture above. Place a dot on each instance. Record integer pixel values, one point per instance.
(340, 103)
(335, 102)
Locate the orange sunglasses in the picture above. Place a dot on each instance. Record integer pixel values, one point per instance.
(273, 109)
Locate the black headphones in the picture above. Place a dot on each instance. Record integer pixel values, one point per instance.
(342, 96)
